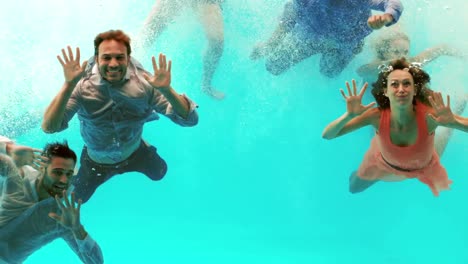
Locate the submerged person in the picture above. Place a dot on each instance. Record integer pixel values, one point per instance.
(405, 121)
(210, 15)
(113, 103)
(32, 213)
(333, 28)
(396, 44)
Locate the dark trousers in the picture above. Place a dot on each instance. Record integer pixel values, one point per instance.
(91, 174)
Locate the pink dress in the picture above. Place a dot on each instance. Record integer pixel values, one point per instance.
(419, 160)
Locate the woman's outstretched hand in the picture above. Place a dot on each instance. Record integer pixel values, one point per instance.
(442, 115)
(354, 105)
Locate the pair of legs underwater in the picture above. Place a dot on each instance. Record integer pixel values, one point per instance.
(357, 184)
(209, 14)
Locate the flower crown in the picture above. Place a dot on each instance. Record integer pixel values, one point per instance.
(384, 68)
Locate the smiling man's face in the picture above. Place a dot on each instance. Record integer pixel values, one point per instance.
(57, 177)
(112, 60)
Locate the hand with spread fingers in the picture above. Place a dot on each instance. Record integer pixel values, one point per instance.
(22, 155)
(442, 113)
(72, 69)
(70, 217)
(161, 80)
(40, 162)
(354, 105)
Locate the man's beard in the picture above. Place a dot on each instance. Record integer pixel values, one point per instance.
(50, 190)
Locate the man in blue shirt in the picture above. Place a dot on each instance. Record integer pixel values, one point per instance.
(334, 28)
(32, 213)
(113, 103)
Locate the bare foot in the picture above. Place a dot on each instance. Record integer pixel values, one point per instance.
(218, 95)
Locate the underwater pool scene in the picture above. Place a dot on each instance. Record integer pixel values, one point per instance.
(253, 181)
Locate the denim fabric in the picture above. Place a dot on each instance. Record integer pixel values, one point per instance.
(333, 60)
(343, 21)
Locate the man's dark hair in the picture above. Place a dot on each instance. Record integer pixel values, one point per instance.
(117, 35)
(57, 149)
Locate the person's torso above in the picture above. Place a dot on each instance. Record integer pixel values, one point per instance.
(332, 19)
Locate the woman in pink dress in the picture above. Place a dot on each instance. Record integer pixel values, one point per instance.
(405, 121)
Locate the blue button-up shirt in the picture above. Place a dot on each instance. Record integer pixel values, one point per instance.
(112, 115)
(343, 21)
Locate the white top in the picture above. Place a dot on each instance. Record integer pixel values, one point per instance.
(24, 223)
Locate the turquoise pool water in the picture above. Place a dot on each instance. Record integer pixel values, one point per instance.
(254, 182)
